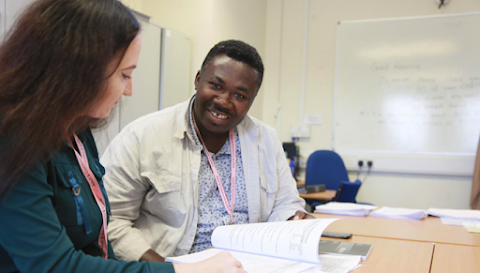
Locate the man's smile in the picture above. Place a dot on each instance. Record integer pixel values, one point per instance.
(219, 114)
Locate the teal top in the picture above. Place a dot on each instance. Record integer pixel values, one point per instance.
(44, 227)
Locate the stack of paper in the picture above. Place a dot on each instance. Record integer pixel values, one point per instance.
(345, 209)
(463, 214)
(415, 214)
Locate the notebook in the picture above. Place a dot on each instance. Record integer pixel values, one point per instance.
(344, 248)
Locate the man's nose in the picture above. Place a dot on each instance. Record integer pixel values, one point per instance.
(224, 99)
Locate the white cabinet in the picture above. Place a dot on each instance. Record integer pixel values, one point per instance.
(146, 77)
(162, 78)
(9, 12)
(175, 68)
(2, 19)
(13, 9)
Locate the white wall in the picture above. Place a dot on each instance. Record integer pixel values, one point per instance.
(284, 48)
(207, 22)
(276, 28)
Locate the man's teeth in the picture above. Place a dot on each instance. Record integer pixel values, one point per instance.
(217, 115)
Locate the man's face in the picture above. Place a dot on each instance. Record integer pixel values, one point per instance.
(226, 89)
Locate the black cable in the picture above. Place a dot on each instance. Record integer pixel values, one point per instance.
(365, 178)
(441, 3)
(369, 164)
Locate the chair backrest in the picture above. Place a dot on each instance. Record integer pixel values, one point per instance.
(347, 191)
(325, 167)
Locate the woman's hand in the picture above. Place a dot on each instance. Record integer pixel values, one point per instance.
(223, 262)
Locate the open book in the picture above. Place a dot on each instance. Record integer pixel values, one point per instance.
(291, 246)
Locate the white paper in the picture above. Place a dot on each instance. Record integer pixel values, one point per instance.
(251, 263)
(455, 213)
(335, 264)
(345, 208)
(472, 226)
(452, 221)
(400, 213)
(294, 240)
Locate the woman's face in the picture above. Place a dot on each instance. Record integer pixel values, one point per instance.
(120, 82)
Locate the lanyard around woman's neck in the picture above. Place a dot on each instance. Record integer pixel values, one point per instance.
(215, 172)
(97, 193)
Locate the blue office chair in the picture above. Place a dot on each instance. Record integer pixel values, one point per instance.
(327, 167)
(347, 191)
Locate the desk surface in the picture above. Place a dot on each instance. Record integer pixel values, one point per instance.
(324, 195)
(394, 255)
(455, 258)
(430, 229)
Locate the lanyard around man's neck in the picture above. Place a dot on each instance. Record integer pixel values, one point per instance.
(215, 172)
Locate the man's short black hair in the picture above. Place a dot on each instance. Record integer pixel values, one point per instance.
(239, 51)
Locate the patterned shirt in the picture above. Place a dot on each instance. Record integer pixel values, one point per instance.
(211, 210)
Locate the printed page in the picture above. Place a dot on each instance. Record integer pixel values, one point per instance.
(294, 240)
(251, 263)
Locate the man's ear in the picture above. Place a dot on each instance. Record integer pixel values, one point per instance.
(197, 79)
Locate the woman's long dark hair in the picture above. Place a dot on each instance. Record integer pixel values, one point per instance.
(54, 65)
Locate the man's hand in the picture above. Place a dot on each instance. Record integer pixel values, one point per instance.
(151, 256)
(300, 215)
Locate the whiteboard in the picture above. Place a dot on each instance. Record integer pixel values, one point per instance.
(409, 88)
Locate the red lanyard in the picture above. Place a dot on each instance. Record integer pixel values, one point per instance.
(217, 176)
(97, 193)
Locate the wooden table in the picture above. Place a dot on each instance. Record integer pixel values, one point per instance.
(455, 258)
(430, 229)
(326, 195)
(393, 256)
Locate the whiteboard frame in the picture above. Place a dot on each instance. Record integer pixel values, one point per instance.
(430, 163)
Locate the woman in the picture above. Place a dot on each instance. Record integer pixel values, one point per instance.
(64, 66)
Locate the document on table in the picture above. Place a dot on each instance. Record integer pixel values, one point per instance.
(472, 226)
(464, 214)
(456, 222)
(345, 208)
(401, 213)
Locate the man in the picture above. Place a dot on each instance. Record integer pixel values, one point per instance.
(170, 175)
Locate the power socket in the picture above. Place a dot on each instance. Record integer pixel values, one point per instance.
(369, 164)
(360, 164)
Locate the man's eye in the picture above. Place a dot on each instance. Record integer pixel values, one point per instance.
(240, 96)
(214, 85)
